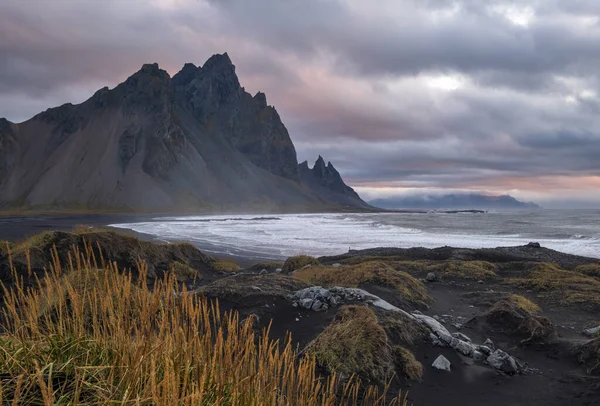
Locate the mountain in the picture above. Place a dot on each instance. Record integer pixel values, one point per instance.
(452, 201)
(194, 142)
(326, 182)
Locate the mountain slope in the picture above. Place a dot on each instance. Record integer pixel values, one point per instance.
(326, 182)
(452, 201)
(194, 142)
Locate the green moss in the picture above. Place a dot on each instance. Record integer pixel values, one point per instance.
(184, 272)
(225, 266)
(375, 272)
(269, 266)
(299, 261)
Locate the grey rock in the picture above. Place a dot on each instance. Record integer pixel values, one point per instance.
(478, 356)
(591, 332)
(278, 270)
(485, 349)
(336, 265)
(462, 337)
(480, 282)
(441, 363)
(464, 347)
(457, 326)
(489, 343)
(503, 362)
(306, 303)
(317, 306)
(256, 288)
(431, 277)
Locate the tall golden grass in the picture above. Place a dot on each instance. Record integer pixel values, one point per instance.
(87, 334)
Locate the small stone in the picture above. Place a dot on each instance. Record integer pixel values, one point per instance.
(306, 303)
(480, 282)
(431, 277)
(317, 306)
(503, 362)
(256, 288)
(336, 265)
(472, 307)
(437, 318)
(463, 347)
(477, 355)
(435, 340)
(295, 304)
(441, 363)
(485, 349)
(461, 336)
(457, 326)
(297, 319)
(591, 332)
(489, 343)
(279, 270)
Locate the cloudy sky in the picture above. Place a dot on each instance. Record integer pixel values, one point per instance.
(402, 95)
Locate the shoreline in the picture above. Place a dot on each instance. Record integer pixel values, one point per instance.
(21, 227)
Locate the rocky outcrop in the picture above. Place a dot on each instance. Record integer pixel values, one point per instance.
(196, 142)
(326, 182)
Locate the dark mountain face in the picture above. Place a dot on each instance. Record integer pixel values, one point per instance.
(453, 201)
(194, 142)
(326, 182)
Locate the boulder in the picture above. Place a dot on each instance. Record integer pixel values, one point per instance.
(441, 363)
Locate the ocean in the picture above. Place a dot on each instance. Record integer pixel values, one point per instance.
(275, 237)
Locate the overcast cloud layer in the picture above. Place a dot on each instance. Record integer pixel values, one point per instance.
(499, 96)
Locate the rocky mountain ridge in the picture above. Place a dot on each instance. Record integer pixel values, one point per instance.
(195, 142)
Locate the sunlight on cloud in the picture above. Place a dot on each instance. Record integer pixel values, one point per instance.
(521, 16)
(445, 82)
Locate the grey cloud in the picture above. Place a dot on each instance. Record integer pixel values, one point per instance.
(527, 108)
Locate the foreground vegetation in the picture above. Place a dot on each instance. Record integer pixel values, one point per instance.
(86, 334)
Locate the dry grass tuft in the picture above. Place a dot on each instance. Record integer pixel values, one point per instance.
(87, 334)
(375, 272)
(406, 363)
(464, 269)
(517, 314)
(354, 343)
(523, 304)
(589, 353)
(299, 261)
(568, 287)
(451, 268)
(589, 270)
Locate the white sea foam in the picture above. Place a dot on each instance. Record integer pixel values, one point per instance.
(279, 236)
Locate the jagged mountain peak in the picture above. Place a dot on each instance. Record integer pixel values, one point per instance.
(156, 143)
(186, 74)
(219, 61)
